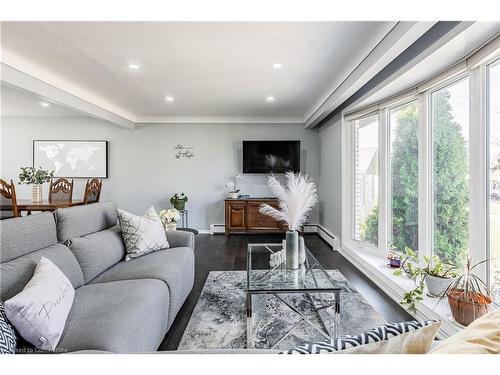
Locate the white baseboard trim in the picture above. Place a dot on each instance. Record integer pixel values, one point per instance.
(216, 228)
(332, 239)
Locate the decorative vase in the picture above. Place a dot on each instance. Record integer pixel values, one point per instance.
(302, 251)
(234, 195)
(395, 263)
(170, 226)
(180, 204)
(436, 285)
(36, 193)
(292, 249)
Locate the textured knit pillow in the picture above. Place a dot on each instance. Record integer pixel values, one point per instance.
(8, 340)
(142, 234)
(40, 310)
(393, 338)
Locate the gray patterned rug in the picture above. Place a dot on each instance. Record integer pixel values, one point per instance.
(219, 318)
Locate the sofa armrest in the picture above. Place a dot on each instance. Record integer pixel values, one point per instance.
(178, 238)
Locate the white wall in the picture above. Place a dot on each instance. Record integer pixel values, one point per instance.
(142, 167)
(330, 206)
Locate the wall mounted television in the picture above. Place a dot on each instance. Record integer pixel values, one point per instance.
(271, 156)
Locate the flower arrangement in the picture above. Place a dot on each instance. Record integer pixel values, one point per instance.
(169, 216)
(232, 186)
(33, 176)
(296, 200)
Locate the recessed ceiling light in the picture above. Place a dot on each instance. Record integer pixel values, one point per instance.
(45, 104)
(133, 67)
(270, 99)
(169, 99)
(277, 66)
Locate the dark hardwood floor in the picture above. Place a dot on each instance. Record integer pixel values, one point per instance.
(220, 253)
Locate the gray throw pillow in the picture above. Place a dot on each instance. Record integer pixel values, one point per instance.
(142, 234)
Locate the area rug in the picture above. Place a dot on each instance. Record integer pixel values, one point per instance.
(219, 318)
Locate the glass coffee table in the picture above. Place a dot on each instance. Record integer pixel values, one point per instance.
(311, 280)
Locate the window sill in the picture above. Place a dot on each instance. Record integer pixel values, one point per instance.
(375, 267)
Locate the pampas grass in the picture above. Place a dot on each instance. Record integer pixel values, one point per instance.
(296, 200)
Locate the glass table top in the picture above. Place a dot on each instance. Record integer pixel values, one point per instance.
(264, 275)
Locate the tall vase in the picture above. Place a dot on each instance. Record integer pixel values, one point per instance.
(302, 251)
(36, 193)
(292, 249)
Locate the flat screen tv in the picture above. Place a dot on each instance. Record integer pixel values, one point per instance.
(271, 156)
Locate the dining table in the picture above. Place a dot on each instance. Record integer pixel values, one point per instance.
(28, 205)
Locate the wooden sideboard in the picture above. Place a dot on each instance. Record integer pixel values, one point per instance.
(243, 216)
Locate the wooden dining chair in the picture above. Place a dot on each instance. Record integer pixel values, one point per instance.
(8, 200)
(92, 191)
(61, 190)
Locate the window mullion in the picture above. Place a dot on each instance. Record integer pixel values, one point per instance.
(384, 190)
(425, 216)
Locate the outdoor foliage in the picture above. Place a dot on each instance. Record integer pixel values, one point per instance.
(450, 186)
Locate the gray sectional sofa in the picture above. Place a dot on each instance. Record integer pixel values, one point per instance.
(119, 306)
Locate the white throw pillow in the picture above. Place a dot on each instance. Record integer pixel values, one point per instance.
(40, 311)
(142, 234)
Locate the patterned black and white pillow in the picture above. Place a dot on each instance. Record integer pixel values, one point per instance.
(8, 339)
(376, 335)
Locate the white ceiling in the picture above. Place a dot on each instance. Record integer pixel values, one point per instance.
(214, 70)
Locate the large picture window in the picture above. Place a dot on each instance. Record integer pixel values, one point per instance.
(494, 176)
(422, 171)
(403, 223)
(450, 167)
(365, 134)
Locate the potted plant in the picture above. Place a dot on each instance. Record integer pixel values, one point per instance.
(410, 266)
(170, 218)
(438, 275)
(434, 275)
(468, 296)
(35, 177)
(179, 201)
(393, 257)
(296, 201)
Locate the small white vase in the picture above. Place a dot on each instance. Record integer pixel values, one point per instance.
(170, 227)
(36, 193)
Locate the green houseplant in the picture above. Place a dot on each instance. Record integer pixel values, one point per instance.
(435, 275)
(36, 178)
(179, 201)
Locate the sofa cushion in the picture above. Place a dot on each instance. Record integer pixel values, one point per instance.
(40, 311)
(97, 252)
(8, 339)
(120, 317)
(23, 235)
(142, 234)
(82, 220)
(173, 266)
(15, 274)
(393, 338)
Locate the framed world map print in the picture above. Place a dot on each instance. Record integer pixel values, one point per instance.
(75, 159)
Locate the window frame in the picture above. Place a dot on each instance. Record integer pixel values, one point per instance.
(477, 163)
(487, 120)
(450, 81)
